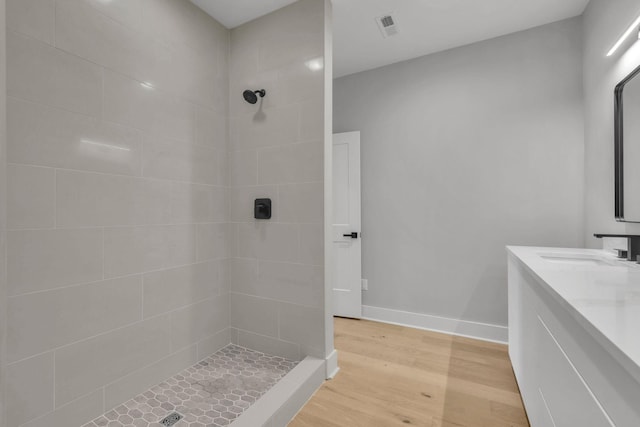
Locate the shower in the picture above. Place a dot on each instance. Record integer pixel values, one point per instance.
(251, 96)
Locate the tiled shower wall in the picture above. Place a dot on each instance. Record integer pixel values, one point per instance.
(118, 201)
(276, 151)
(122, 222)
(3, 209)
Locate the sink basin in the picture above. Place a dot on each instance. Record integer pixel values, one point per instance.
(576, 259)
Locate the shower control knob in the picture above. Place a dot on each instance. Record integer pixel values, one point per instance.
(353, 235)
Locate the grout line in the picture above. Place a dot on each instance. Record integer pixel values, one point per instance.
(55, 198)
(172, 46)
(167, 180)
(130, 127)
(143, 141)
(175, 267)
(121, 175)
(148, 319)
(102, 94)
(196, 240)
(266, 336)
(276, 300)
(31, 357)
(278, 316)
(103, 253)
(142, 298)
(55, 26)
(50, 413)
(299, 253)
(207, 261)
(155, 362)
(54, 380)
(97, 227)
(75, 285)
(118, 226)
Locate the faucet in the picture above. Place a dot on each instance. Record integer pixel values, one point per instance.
(633, 245)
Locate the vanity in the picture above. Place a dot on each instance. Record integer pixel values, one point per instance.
(574, 336)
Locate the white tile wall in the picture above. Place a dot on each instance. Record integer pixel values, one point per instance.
(269, 241)
(215, 241)
(199, 321)
(134, 103)
(40, 260)
(3, 212)
(35, 18)
(34, 208)
(30, 389)
(179, 161)
(129, 386)
(276, 151)
(71, 413)
(197, 203)
(300, 203)
(63, 139)
(43, 74)
(197, 282)
(118, 201)
(131, 250)
(99, 200)
(254, 314)
(87, 365)
(46, 320)
(291, 164)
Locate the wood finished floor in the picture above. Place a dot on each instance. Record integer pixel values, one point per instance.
(396, 376)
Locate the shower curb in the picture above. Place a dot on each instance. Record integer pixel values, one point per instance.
(283, 401)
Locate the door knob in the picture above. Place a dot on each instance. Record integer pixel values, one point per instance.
(353, 235)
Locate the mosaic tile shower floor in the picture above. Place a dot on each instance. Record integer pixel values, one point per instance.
(211, 393)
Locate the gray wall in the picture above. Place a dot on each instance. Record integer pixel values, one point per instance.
(276, 147)
(604, 22)
(118, 201)
(464, 152)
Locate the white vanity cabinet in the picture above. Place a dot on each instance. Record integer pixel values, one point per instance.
(569, 374)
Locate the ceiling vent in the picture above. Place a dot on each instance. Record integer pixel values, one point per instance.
(387, 25)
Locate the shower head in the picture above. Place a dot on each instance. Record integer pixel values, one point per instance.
(251, 96)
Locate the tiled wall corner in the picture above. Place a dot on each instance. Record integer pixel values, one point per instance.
(118, 201)
(276, 151)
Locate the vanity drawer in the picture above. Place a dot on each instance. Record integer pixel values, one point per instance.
(568, 399)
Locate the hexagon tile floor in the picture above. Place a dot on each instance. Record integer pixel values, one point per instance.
(211, 393)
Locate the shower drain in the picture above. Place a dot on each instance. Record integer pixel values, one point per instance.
(171, 419)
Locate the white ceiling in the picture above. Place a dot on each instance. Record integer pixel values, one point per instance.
(428, 26)
(424, 26)
(232, 13)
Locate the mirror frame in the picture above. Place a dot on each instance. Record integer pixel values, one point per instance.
(619, 146)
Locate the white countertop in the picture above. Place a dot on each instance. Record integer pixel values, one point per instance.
(604, 298)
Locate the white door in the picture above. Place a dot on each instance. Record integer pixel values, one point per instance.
(347, 248)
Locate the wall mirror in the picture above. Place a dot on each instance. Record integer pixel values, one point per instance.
(627, 148)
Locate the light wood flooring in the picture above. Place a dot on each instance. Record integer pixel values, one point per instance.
(396, 376)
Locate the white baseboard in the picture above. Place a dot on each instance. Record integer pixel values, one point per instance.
(332, 365)
(463, 328)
